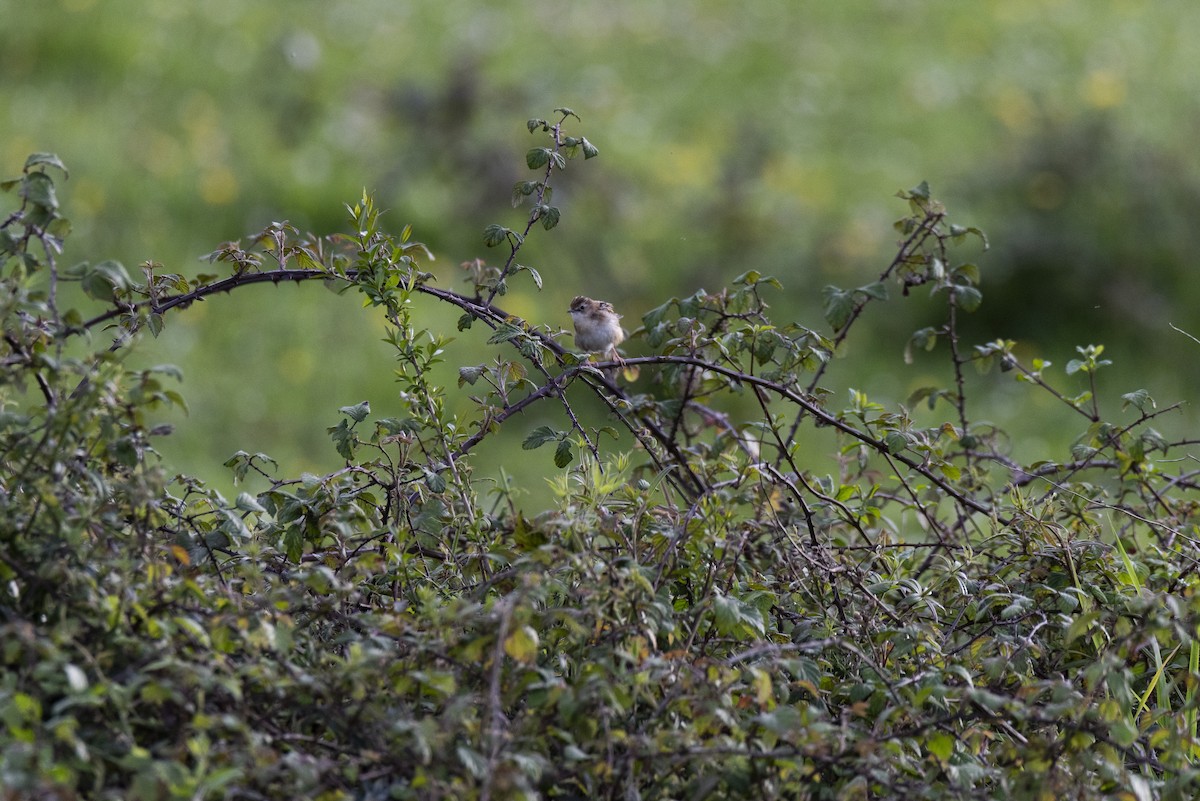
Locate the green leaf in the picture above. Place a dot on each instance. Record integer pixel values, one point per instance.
(358, 412)
(589, 150)
(1139, 399)
(923, 338)
(105, 280)
(736, 618)
(505, 333)
(921, 191)
(469, 375)
(343, 439)
(877, 290)
(434, 481)
(537, 157)
(839, 305)
(537, 277)
(549, 216)
(495, 235)
(563, 454)
(959, 232)
(1124, 733)
(539, 437)
(154, 322)
(895, 442)
(522, 190)
(941, 745)
(522, 645)
(968, 273)
(38, 189)
(967, 298)
(1080, 626)
(47, 159)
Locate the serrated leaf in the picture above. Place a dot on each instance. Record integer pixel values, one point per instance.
(537, 157)
(589, 150)
(549, 217)
(539, 437)
(358, 412)
(495, 235)
(469, 375)
(434, 481)
(505, 333)
(154, 322)
(563, 454)
(838, 306)
(1139, 399)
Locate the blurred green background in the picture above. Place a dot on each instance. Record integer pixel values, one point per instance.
(756, 135)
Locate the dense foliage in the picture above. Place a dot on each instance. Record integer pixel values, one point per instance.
(723, 611)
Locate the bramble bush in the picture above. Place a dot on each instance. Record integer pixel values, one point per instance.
(715, 613)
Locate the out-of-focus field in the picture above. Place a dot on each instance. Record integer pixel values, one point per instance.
(760, 135)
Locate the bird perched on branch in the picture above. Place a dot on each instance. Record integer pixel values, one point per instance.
(597, 329)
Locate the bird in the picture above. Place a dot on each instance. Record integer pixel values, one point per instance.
(597, 329)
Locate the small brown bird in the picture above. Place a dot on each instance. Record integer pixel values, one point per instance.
(597, 328)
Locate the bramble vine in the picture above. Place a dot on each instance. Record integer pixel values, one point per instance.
(712, 614)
